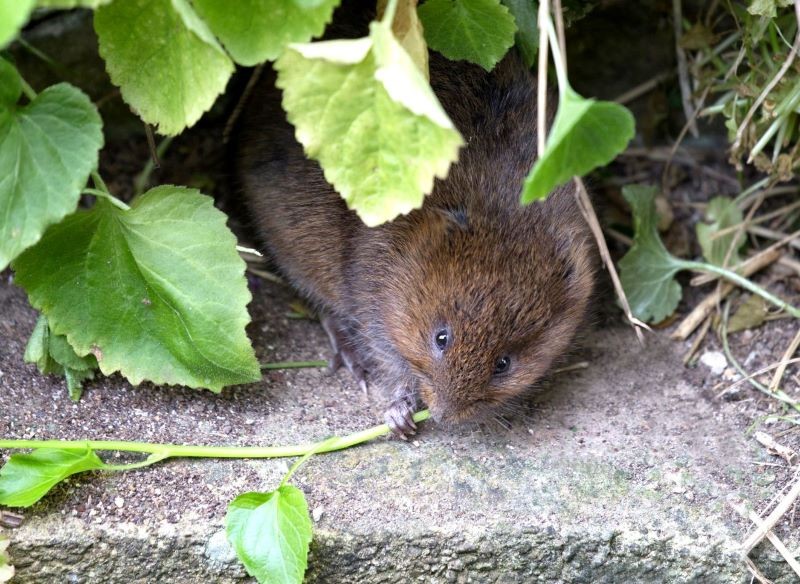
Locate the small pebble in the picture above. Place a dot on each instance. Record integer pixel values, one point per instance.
(715, 361)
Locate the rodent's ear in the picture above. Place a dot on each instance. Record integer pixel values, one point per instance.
(455, 218)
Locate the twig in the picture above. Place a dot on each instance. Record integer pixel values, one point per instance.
(269, 276)
(237, 110)
(151, 145)
(698, 339)
(742, 510)
(643, 88)
(788, 262)
(704, 308)
(770, 86)
(753, 260)
(764, 527)
(585, 205)
(562, 38)
(690, 123)
(772, 234)
(760, 219)
(683, 69)
(541, 95)
(790, 350)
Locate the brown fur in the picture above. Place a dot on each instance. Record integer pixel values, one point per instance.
(503, 278)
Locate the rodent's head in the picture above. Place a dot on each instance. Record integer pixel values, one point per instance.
(485, 305)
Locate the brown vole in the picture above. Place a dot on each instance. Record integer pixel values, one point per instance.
(464, 303)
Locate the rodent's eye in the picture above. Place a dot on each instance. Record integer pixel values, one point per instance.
(442, 339)
(502, 365)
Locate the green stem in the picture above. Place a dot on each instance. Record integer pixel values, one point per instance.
(27, 89)
(143, 178)
(388, 15)
(108, 196)
(558, 60)
(304, 458)
(152, 459)
(99, 182)
(293, 364)
(193, 451)
(744, 283)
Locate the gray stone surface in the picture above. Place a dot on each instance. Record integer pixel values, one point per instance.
(620, 472)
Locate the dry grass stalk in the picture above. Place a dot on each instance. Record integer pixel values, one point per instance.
(769, 522)
(790, 350)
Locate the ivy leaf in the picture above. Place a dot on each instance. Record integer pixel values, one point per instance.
(647, 271)
(478, 31)
(525, 13)
(256, 30)
(26, 478)
(6, 569)
(47, 150)
(156, 292)
(13, 16)
(586, 133)
(271, 533)
(165, 60)
(365, 111)
(722, 212)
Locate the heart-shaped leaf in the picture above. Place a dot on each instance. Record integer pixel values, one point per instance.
(271, 533)
(47, 150)
(165, 60)
(478, 31)
(365, 111)
(156, 292)
(256, 30)
(585, 134)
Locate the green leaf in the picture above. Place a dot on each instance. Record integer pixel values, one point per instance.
(525, 13)
(478, 31)
(271, 533)
(648, 270)
(768, 8)
(157, 292)
(13, 16)
(751, 314)
(26, 478)
(47, 150)
(722, 212)
(168, 65)
(586, 134)
(6, 569)
(10, 85)
(365, 111)
(280, 22)
(52, 354)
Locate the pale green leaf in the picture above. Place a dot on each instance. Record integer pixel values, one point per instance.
(525, 13)
(48, 147)
(271, 533)
(26, 478)
(168, 65)
(364, 110)
(157, 292)
(768, 8)
(648, 270)
(585, 134)
(256, 30)
(721, 213)
(13, 16)
(478, 31)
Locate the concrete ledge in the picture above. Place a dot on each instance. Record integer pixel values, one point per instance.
(620, 473)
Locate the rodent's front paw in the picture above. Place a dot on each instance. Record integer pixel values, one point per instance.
(400, 418)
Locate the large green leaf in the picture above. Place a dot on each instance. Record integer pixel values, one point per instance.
(648, 270)
(157, 292)
(26, 478)
(271, 533)
(168, 65)
(47, 150)
(13, 16)
(365, 111)
(479, 31)
(721, 213)
(256, 30)
(71, 3)
(585, 134)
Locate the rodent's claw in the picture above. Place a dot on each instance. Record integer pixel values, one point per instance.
(399, 418)
(343, 352)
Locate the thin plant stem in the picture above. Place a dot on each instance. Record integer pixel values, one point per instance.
(194, 451)
(388, 15)
(107, 196)
(294, 364)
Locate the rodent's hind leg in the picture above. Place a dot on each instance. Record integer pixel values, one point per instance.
(400, 414)
(344, 350)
